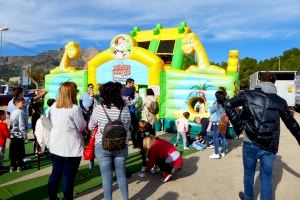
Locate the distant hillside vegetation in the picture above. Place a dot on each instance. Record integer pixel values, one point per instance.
(41, 64)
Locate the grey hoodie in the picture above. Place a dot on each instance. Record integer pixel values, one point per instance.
(266, 87)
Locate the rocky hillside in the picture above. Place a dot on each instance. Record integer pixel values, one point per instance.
(40, 64)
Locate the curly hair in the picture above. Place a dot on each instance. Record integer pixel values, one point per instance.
(111, 95)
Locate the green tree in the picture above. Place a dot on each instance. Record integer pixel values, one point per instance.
(247, 67)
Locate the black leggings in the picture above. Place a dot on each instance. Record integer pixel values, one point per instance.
(204, 125)
(16, 152)
(164, 167)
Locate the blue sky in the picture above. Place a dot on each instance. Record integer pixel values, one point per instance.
(258, 28)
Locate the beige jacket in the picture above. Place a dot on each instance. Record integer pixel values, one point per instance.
(146, 115)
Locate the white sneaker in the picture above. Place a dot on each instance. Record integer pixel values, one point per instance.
(185, 148)
(142, 175)
(214, 156)
(11, 169)
(143, 169)
(155, 169)
(222, 155)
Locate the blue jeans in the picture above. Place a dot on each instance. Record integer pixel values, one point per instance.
(108, 159)
(65, 168)
(216, 139)
(251, 153)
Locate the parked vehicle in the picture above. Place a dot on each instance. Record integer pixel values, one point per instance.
(6, 94)
(285, 84)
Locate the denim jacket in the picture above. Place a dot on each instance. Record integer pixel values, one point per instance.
(216, 112)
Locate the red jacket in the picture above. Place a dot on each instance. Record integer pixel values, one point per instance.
(160, 150)
(4, 133)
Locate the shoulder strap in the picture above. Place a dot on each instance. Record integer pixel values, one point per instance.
(106, 112)
(119, 118)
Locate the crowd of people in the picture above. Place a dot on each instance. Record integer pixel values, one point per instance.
(116, 117)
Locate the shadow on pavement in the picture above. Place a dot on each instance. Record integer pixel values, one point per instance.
(153, 182)
(279, 166)
(234, 143)
(169, 195)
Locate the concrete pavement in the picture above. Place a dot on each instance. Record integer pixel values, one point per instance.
(203, 178)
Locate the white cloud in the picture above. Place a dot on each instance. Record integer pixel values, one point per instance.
(34, 22)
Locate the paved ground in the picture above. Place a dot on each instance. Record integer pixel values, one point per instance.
(202, 178)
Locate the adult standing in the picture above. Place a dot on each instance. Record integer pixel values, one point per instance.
(128, 93)
(260, 118)
(216, 112)
(114, 105)
(147, 115)
(87, 102)
(65, 140)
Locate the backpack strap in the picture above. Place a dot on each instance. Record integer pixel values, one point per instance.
(106, 112)
(119, 118)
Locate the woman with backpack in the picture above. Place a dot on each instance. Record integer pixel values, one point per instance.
(150, 108)
(112, 117)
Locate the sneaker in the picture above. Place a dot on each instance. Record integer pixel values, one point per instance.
(11, 169)
(142, 175)
(26, 160)
(18, 169)
(210, 146)
(185, 148)
(214, 156)
(222, 155)
(241, 195)
(175, 145)
(155, 169)
(167, 178)
(143, 169)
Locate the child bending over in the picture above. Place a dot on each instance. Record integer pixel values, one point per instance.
(163, 154)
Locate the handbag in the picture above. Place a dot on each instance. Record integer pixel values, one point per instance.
(89, 152)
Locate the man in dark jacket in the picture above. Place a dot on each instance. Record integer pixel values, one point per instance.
(260, 119)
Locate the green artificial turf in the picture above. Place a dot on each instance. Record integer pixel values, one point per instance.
(30, 165)
(86, 179)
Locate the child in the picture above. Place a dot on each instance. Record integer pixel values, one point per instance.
(200, 106)
(4, 134)
(199, 143)
(182, 125)
(17, 135)
(145, 129)
(49, 103)
(37, 111)
(163, 154)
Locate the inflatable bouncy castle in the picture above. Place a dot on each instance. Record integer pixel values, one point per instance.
(171, 61)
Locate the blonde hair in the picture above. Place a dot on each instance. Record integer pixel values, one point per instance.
(143, 123)
(147, 143)
(67, 95)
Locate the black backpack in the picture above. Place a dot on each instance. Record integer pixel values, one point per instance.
(114, 133)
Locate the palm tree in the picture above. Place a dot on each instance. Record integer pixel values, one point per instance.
(200, 90)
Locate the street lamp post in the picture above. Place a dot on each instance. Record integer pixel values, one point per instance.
(1, 30)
